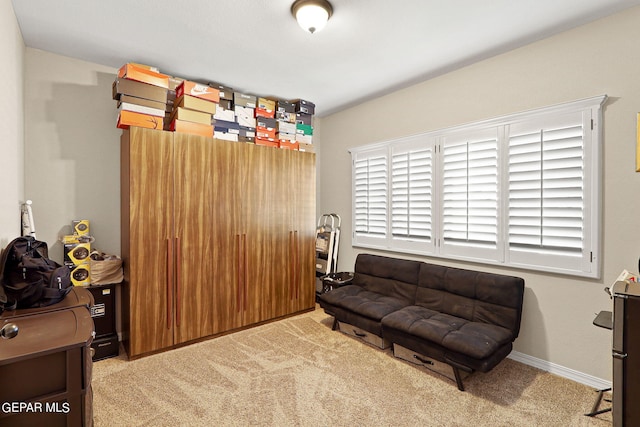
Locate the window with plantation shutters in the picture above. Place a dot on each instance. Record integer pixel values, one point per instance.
(411, 195)
(370, 177)
(546, 216)
(470, 193)
(521, 190)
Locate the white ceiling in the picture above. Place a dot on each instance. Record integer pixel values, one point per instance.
(368, 48)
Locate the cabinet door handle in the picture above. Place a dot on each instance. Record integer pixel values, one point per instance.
(178, 280)
(292, 268)
(169, 281)
(238, 272)
(296, 259)
(244, 276)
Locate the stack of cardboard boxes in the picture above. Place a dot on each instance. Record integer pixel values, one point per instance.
(141, 92)
(304, 128)
(147, 98)
(194, 108)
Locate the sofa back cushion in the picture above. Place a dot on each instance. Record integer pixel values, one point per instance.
(397, 278)
(472, 295)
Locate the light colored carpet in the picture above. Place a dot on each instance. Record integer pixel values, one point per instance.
(298, 372)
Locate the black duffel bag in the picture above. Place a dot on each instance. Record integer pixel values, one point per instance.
(28, 278)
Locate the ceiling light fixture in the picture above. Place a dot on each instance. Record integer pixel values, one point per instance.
(312, 15)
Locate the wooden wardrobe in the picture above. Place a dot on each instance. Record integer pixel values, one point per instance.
(216, 236)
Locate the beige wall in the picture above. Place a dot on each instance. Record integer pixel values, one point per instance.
(72, 147)
(72, 151)
(12, 128)
(598, 58)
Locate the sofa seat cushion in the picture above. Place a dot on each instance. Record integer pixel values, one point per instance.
(473, 339)
(366, 303)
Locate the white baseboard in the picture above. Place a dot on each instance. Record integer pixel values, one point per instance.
(561, 371)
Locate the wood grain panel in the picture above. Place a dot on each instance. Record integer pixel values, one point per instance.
(227, 234)
(193, 209)
(150, 188)
(304, 223)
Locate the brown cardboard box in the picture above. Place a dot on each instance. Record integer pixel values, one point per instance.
(198, 104)
(247, 139)
(139, 90)
(244, 100)
(227, 104)
(283, 106)
(309, 148)
(194, 116)
(303, 119)
(225, 91)
(305, 107)
(265, 108)
(266, 122)
(141, 101)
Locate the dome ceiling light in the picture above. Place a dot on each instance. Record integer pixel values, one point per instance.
(312, 15)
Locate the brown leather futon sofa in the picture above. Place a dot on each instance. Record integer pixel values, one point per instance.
(438, 315)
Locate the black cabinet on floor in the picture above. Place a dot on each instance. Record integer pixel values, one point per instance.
(103, 313)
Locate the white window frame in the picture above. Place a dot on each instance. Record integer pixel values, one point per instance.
(586, 263)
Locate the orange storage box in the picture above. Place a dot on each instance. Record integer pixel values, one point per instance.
(182, 126)
(131, 118)
(289, 145)
(267, 142)
(143, 74)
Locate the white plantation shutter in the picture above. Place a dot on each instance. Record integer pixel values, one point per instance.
(546, 215)
(411, 195)
(470, 193)
(370, 194)
(521, 190)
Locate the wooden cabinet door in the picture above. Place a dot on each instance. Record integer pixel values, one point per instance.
(303, 224)
(280, 289)
(227, 234)
(193, 236)
(259, 246)
(147, 203)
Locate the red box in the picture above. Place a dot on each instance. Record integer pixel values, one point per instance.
(182, 126)
(143, 73)
(198, 90)
(131, 118)
(289, 145)
(267, 142)
(261, 112)
(265, 133)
